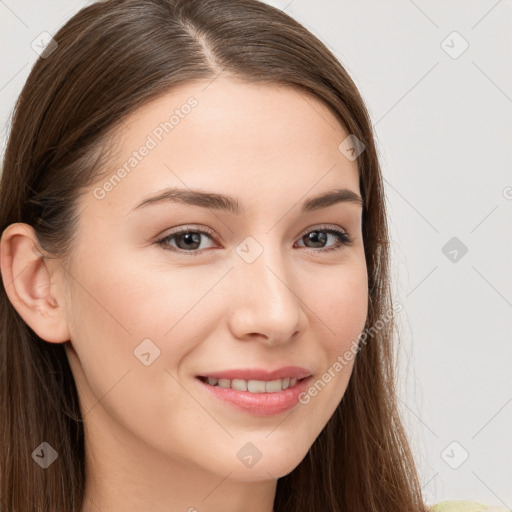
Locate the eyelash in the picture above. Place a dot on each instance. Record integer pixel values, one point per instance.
(343, 237)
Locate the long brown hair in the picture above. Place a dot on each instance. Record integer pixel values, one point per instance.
(111, 58)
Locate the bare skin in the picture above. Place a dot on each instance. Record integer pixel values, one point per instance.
(156, 440)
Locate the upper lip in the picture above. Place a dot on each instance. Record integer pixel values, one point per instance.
(260, 373)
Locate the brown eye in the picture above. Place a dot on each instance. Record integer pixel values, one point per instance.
(319, 237)
(188, 240)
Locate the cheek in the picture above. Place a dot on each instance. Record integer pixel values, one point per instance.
(137, 315)
(342, 304)
(342, 308)
(114, 308)
(118, 325)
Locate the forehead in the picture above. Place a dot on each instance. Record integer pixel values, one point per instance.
(243, 139)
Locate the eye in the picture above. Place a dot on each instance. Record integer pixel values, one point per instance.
(320, 236)
(188, 239)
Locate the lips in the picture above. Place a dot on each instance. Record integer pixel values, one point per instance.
(296, 372)
(258, 403)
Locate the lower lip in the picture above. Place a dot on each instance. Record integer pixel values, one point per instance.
(259, 404)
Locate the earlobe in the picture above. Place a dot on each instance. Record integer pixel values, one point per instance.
(28, 285)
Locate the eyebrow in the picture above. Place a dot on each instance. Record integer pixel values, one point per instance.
(232, 205)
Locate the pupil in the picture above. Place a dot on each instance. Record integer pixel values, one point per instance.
(190, 238)
(314, 236)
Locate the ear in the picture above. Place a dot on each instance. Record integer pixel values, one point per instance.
(27, 282)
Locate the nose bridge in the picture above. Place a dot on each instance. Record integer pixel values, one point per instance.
(267, 302)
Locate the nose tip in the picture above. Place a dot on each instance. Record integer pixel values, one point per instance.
(266, 305)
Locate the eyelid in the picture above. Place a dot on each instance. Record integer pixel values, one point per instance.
(346, 238)
(346, 241)
(322, 227)
(185, 229)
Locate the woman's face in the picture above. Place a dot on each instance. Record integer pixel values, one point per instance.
(253, 291)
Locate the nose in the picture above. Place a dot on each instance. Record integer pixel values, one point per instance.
(267, 302)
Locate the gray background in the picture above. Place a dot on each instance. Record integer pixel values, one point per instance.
(442, 122)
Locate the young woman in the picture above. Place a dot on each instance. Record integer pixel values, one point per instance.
(196, 311)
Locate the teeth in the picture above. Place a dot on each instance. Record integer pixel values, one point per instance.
(254, 386)
(239, 384)
(223, 383)
(274, 386)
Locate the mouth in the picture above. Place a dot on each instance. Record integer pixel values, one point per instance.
(255, 397)
(252, 385)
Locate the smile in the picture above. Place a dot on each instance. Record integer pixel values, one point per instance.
(256, 400)
(253, 386)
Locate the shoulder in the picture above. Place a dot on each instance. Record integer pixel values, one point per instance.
(465, 506)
